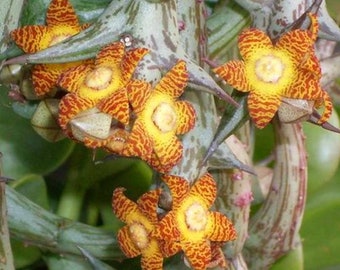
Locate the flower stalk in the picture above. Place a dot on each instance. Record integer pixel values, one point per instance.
(274, 230)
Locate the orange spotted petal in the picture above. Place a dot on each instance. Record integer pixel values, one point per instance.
(152, 258)
(116, 105)
(111, 54)
(297, 43)
(198, 254)
(126, 243)
(44, 77)
(252, 40)
(217, 256)
(148, 202)
(205, 188)
(328, 107)
(130, 61)
(93, 142)
(179, 188)
(139, 143)
(72, 79)
(312, 64)
(233, 73)
(168, 152)
(174, 82)
(314, 26)
(186, 117)
(167, 228)
(222, 228)
(138, 92)
(122, 206)
(306, 86)
(61, 12)
(70, 105)
(29, 37)
(170, 248)
(262, 108)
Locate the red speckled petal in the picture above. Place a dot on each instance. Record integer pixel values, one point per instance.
(222, 229)
(69, 106)
(93, 143)
(116, 105)
(44, 77)
(168, 152)
(73, 78)
(297, 43)
(314, 26)
(205, 188)
(130, 62)
(139, 143)
(29, 37)
(138, 93)
(174, 82)
(233, 73)
(148, 203)
(152, 258)
(217, 257)
(252, 40)
(262, 108)
(306, 86)
(126, 244)
(327, 102)
(186, 117)
(123, 206)
(111, 54)
(167, 229)
(170, 248)
(179, 188)
(198, 254)
(312, 64)
(61, 12)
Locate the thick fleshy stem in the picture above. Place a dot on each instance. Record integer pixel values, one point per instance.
(274, 229)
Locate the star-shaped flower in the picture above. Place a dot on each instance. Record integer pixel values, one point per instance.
(190, 224)
(270, 71)
(101, 84)
(141, 219)
(62, 23)
(160, 117)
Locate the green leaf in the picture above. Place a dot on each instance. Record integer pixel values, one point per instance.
(321, 227)
(24, 152)
(292, 260)
(232, 118)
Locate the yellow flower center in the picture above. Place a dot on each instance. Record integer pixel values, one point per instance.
(196, 217)
(269, 68)
(164, 117)
(57, 39)
(99, 78)
(139, 235)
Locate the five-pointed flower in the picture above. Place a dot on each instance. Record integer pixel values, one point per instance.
(288, 68)
(101, 84)
(190, 224)
(160, 117)
(62, 22)
(141, 218)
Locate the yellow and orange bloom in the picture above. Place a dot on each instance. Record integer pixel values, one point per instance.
(136, 238)
(62, 23)
(160, 117)
(270, 71)
(190, 225)
(100, 85)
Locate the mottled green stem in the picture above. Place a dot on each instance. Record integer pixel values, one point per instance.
(35, 226)
(234, 198)
(6, 257)
(274, 230)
